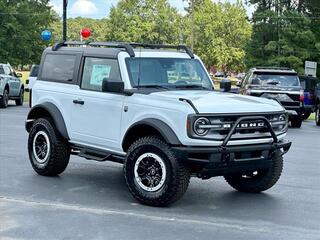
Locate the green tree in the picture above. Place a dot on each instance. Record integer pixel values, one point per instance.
(149, 21)
(221, 33)
(285, 33)
(97, 27)
(22, 22)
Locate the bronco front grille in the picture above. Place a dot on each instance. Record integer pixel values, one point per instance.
(219, 126)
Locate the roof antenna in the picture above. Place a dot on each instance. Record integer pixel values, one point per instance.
(139, 70)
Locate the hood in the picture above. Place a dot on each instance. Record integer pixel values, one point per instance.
(218, 102)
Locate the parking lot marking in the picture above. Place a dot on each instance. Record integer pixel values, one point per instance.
(100, 211)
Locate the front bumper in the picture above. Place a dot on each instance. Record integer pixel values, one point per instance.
(219, 161)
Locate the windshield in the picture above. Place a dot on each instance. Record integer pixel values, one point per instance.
(168, 73)
(276, 79)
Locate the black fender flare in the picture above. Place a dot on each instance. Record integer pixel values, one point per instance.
(52, 110)
(166, 132)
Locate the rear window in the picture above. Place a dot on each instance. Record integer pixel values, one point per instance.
(58, 67)
(275, 79)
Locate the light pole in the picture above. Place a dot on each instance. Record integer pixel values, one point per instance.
(64, 19)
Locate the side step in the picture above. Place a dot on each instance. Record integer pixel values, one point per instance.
(96, 154)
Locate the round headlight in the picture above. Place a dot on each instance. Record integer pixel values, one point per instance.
(282, 118)
(199, 126)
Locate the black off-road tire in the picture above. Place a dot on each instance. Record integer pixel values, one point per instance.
(296, 122)
(317, 115)
(5, 99)
(19, 102)
(264, 179)
(59, 152)
(177, 178)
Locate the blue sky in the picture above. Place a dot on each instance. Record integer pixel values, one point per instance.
(100, 8)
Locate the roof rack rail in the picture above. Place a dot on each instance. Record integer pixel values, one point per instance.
(65, 43)
(278, 68)
(159, 46)
(129, 47)
(126, 46)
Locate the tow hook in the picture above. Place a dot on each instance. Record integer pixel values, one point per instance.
(225, 155)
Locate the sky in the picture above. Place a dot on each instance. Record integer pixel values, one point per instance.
(100, 8)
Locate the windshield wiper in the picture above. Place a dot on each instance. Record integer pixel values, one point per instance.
(191, 86)
(272, 82)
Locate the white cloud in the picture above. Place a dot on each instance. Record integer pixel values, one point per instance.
(83, 8)
(56, 6)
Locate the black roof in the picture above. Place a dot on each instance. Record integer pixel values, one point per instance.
(106, 52)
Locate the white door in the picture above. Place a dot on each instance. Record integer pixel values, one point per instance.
(96, 115)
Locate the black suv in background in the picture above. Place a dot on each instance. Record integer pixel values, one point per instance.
(280, 84)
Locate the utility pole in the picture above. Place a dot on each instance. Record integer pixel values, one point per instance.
(64, 19)
(192, 24)
(278, 27)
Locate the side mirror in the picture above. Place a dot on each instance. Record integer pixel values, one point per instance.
(112, 86)
(225, 85)
(19, 75)
(238, 84)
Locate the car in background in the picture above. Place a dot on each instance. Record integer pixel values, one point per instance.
(219, 74)
(11, 86)
(280, 84)
(308, 84)
(32, 77)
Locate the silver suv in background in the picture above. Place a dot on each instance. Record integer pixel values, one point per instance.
(11, 87)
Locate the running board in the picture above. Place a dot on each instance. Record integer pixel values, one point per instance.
(96, 154)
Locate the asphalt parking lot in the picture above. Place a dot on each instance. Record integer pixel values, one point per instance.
(91, 201)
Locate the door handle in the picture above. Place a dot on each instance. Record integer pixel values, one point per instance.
(76, 101)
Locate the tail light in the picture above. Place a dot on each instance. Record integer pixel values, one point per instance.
(301, 98)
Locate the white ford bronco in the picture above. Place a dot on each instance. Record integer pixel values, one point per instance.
(152, 108)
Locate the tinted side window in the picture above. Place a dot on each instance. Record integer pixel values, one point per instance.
(97, 69)
(58, 67)
(1, 70)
